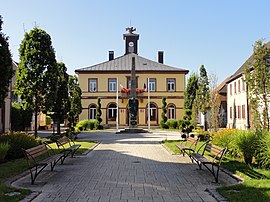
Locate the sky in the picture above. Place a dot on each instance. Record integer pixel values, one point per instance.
(217, 34)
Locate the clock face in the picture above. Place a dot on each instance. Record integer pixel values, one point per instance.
(131, 44)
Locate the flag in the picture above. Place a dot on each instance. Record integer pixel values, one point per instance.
(123, 90)
(144, 87)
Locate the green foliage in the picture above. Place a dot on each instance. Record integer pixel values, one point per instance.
(226, 138)
(6, 70)
(48, 120)
(263, 150)
(185, 124)
(247, 141)
(4, 147)
(20, 117)
(172, 124)
(257, 78)
(57, 100)
(190, 92)
(75, 94)
(98, 114)
(164, 114)
(17, 141)
(87, 125)
(35, 73)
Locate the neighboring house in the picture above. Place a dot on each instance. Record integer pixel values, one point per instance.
(237, 99)
(5, 111)
(101, 81)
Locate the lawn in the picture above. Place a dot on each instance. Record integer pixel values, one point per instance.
(15, 167)
(256, 185)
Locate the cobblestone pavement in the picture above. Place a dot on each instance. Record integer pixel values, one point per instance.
(125, 167)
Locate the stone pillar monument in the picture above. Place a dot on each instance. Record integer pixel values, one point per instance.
(133, 101)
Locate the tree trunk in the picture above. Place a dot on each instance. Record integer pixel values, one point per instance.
(58, 126)
(205, 123)
(36, 113)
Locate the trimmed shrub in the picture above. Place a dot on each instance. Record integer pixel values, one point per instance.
(163, 125)
(172, 124)
(4, 147)
(88, 125)
(17, 141)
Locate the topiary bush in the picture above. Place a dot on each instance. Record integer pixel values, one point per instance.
(88, 125)
(172, 124)
(17, 141)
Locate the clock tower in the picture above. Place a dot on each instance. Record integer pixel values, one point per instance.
(131, 40)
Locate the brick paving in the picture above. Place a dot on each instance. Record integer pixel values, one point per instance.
(125, 167)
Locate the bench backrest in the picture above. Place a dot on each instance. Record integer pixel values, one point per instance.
(192, 142)
(62, 141)
(35, 151)
(215, 150)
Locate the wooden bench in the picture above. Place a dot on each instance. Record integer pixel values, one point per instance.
(189, 146)
(66, 147)
(35, 167)
(212, 164)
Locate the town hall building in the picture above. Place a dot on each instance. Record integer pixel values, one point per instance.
(105, 79)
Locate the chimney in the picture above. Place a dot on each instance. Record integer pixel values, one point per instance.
(111, 55)
(160, 57)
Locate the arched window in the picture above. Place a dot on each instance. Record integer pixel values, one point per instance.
(153, 112)
(112, 112)
(92, 111)
(171, 111)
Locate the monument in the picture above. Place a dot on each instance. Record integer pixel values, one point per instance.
(133, 105)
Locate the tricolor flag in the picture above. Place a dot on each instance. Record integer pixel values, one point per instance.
(144, 87)
(123, 90)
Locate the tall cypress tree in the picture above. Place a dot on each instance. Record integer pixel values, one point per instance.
(6, 70)
(190, 92)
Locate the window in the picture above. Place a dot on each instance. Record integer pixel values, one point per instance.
(112, 112)
(129, 82)
(239, 112)
(171, 84)
(92, 112)
(153, 112)
(231, 112)
(152, 84)
(243, 111)
(243, 86)
(239, 86)
(171, 111)
(92, 85)
(230, 89)
(235, 87)
(112, 85)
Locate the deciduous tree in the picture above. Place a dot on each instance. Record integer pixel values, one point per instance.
(257, 77)
(37, 56)
(6, 71)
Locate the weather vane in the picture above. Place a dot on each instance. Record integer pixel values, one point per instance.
(131, 29)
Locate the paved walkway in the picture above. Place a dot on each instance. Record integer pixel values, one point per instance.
(126, 167)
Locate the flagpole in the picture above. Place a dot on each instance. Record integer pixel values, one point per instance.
(148, 103)
(117, 104)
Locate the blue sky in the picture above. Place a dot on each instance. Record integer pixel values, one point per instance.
(218, 34)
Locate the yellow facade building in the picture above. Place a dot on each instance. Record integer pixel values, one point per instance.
(104, 79)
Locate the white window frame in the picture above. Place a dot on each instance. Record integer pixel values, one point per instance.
(112, 85)
(113, 112)
(152, 85)
(92, 85)
(92, 113)
(171, 111)
(171, 85)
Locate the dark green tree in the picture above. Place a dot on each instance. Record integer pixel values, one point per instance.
(185, 124)
(203, 94)
(257, 78)
(6, 71)
(75, 94)
(98, 114)
(20, 117)
(37, 57)
(57, 98)
(191, 89)
(164, 113)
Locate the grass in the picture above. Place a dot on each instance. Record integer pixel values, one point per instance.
(256, 185)
(15, 167)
